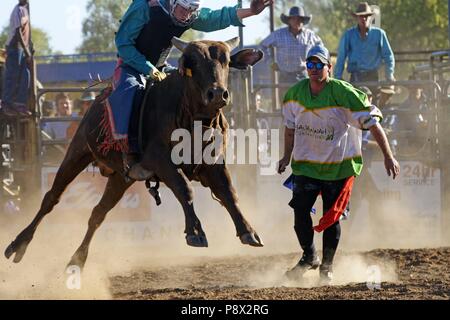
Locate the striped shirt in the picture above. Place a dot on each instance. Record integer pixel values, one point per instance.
(291, 49)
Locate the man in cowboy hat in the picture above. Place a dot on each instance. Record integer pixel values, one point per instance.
(86, 100)
(365, 47)
(292, 43)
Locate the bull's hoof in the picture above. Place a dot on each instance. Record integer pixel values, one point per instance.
(197, 241)
(9, 251)
(138, 173)
(252, 239)
(19, 250)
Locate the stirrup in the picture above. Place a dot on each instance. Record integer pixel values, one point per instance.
(154, 191)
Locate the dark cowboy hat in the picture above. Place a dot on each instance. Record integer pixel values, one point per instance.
(363, 9)
(296, 12)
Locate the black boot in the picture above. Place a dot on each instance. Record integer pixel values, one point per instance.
(307, 262)
(326, 274)
(326, 268)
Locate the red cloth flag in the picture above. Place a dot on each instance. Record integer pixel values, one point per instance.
(335, 212)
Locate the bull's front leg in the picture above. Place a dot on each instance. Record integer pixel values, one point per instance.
(218, 179)
(176, 181)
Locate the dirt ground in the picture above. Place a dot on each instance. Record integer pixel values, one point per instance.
(404, 274)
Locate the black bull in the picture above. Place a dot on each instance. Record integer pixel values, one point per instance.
(196, 93)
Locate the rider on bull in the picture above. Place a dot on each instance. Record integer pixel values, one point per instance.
(144, 42)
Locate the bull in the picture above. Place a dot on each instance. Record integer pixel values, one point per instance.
(198, 92)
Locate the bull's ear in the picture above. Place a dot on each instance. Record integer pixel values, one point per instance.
(179, 44)
(244, 58)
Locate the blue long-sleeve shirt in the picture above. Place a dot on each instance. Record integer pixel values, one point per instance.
(364, 54)
(138, 15)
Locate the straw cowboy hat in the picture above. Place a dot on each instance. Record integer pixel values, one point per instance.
(296, 12)
(363, 9)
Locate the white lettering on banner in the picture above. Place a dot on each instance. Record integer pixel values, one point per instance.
(81, 195)
(85, 192)
(415, 179)
(141, 232)
(130, 201)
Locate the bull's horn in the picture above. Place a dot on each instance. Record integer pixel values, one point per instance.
(233, 43)
(179, 44)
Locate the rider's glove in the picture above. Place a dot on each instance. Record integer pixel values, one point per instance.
(157, 75)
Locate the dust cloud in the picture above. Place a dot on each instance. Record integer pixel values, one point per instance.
(133, 247)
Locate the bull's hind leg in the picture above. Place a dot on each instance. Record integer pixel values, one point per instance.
(115, 188)
(74, 162)
(217, 178)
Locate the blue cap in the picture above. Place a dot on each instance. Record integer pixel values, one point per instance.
(320, 52)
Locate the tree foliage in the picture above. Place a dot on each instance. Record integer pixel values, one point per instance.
(101, 24)
(41, 40)
(409, 24)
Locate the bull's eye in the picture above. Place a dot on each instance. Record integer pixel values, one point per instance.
(223, 58)
(189, 62)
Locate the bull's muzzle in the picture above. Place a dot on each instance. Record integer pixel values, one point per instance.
(218, 96)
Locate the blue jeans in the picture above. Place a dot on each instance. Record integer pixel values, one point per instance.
(125, 101)
(16, 81)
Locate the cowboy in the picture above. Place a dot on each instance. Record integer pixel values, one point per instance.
(365, 47)
(85, 102)
(292, 44)
(322, 117)
(143, 44)
(18, 56)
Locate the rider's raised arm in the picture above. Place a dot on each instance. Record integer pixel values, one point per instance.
(212, 20)
(130, 27)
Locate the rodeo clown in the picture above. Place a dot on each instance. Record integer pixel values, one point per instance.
(323, 121)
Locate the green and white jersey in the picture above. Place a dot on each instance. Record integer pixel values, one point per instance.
(327, 144)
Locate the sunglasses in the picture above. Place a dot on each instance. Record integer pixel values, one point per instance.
(318, 65)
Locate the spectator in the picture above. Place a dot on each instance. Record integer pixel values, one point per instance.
(86, 101)
(48, 109)
(322, 117)
(365, 47)
(292, 44)
(58, 130)
(411, 127)
(258, 103)
(18, 57)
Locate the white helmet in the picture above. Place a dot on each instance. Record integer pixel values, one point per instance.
(191, 5)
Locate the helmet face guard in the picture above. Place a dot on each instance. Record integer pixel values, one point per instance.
(190, 5)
